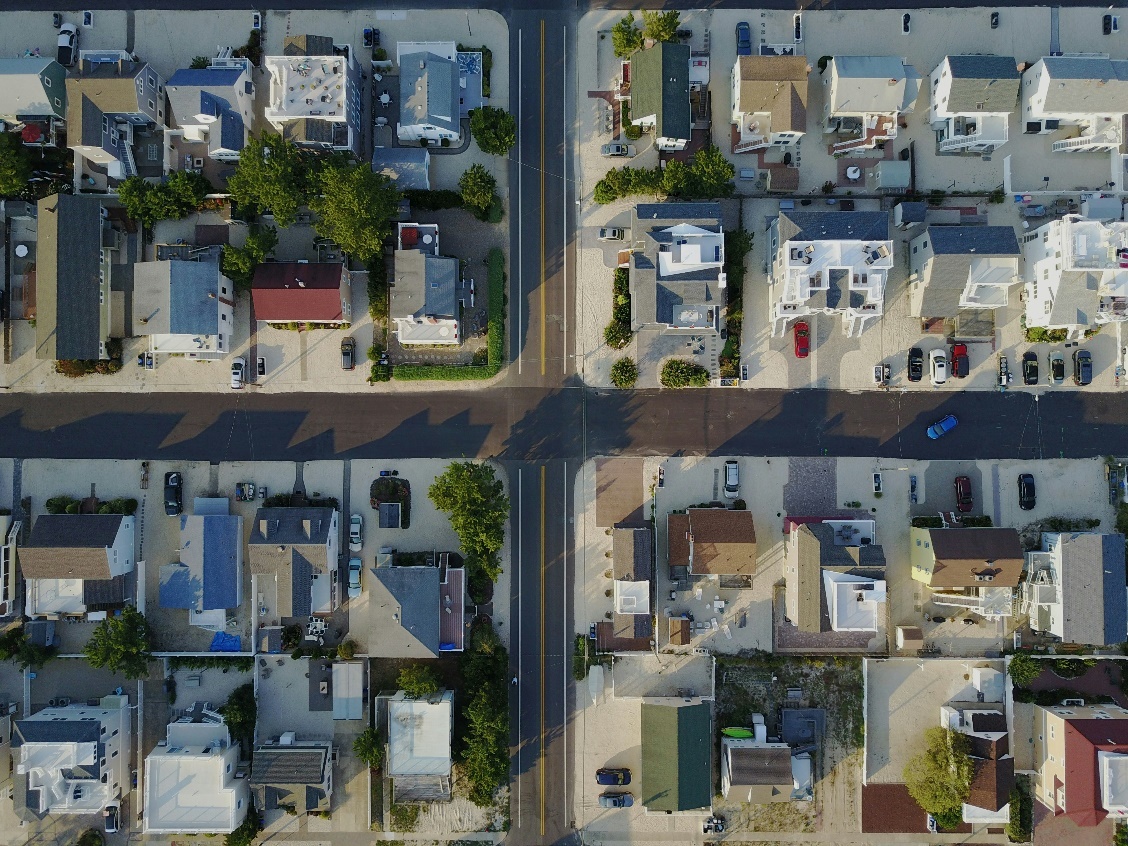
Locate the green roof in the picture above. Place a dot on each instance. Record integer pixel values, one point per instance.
(660, 87)
(676, 745)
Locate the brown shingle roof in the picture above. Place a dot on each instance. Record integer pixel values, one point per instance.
(631, 553)
(679, 631)
(992, 783)
(778, 85)
(963, 554)
(285, 291)
(70, 546)
(724, 542)
(1083, 739)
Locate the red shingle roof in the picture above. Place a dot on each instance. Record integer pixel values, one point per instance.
(1083, 739)
(285, 291)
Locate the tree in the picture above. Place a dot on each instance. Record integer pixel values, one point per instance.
(346, 650)
(368, 749)
(478, 188)
(15, 165)
(939, 778)
(617, 334)
(133, 194)
(677, 373)
(240, 712)
(199, 62)
(485, 760)
(418, 681)
(174, 199)
(625, 37)
(355, 208)
(238, 263)
(660, 26)
(495, 130)
(710, 174)
(475, 499)
(247, 831)
(624, 373)
(273, 174)
(1024, 668)
(122, 644)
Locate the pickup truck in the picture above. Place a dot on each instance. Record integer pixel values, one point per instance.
(68, 44)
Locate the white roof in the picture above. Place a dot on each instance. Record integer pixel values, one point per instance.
(632, 597)
(1114, 781)
(852, 601)
(190, 789)
(348, 690)
(419, 736)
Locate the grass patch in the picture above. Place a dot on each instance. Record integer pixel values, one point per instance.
(392, 489)
(404, 817)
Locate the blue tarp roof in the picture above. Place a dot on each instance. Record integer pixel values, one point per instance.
(224, 642)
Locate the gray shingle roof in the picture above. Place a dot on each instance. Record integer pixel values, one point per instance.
(1094, 600)
(410, 594)
(833, 226)
(1086, 85)
(289, 765)
(208, 573)
(1076, 300)
(429, 91)
(177, 297)
(978, 240)
(983, 84)
(25, 94)
(632, 553)
(760, 765)
(660, 87)
(291, 544)
(69, 546)
(425, 285)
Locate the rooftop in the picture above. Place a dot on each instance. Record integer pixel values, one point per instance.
(419, 733)
(714, 541)
(309, 80)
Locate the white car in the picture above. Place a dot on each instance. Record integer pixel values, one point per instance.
(356, 533)
(611, 233)
(354, 577)
(938, 367)
(732, 479)
(238, 373)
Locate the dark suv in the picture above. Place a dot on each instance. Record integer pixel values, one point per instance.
(173, 493)
(614, 776)
(1030, 368)
(348, 354)
(1082, 367)
(1027, 496)
(916, 364)
(964, 501)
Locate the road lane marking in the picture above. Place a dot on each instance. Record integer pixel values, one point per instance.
(567, 637)
(543, 280)
(544, 757)
(520, 643)
(564, 221)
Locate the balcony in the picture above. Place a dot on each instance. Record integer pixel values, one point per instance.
(754, 132)
(1099, 135)
(875, 130)
(978, 131)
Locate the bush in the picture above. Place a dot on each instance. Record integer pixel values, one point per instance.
(368, 749)
(1066, 524)
(248, 830)
(60, 504)
(978, 521)
(617, 335)
(739, 505)
(432, 200)
(949, 819)
(632, 132)
(404, 817)
(625, 36)
(485, 756)
(1020, 827)
(1071, 668)
(494, 129)
(930, 522)
(1039, 335)
(624, 373)
(346, 650)
(478, 188)
(707, 176)
(91, 837)
(418, 681)
(1024, 668)
(678, 373)
(378, 289)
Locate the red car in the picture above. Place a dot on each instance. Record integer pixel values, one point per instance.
(960, 364)
(802, 334)
(964, 502)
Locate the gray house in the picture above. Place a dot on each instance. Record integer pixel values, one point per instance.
(660, 94)
(290, 773)
(33, 98)
(415, 611)
(428, 97)
(956, 268)
(209, 575)
(424, 298)
(294, 552)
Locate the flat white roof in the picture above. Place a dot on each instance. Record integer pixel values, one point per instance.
(853, 602)
(348, 690)
(307, 86)
(419, 737)
(1114, 782)
(632, 597)
(184, 791)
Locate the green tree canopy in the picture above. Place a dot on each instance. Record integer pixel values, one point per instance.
(15, 165)
(494, 129)
(174, 199)
(710, 174)
(418, 681)
(355, 208)
(1024, 668)
(122, 644)
(247, 831)
(485, 756)
(273, 174)
(939, 778)
(475, 499)
(624, 373)
(240, 712)
(660, 26)
(368, 748)
(625, 36)
(238, 263)
(678, 373)
(478, 187)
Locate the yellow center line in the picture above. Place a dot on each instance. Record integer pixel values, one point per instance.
(543, 761)
(542, 212)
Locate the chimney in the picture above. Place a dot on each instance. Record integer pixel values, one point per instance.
(211, 295)
(264, 527)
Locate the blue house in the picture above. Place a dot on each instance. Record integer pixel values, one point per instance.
(209, 575)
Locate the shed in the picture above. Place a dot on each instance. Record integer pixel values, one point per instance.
(348, 690)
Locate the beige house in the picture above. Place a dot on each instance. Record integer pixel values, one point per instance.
(974, 569)
(835, 576)
(769, 101)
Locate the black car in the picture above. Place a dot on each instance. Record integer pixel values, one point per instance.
(615, 776)
(1082, 367)
(1030, 368)
(348, 354)
(1027, 496)
(916, 364)
(174, 490)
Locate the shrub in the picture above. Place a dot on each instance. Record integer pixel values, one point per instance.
(632, 132)
(247, 831)
(739, 505)
(617, 335)
(1020, 827)
(678, 373)
(418, 681)
(494, 129)
(59, 504)
(978, 521)
(1039, 335)
(346, 650)
(368, 749)
(930, 522)
(1071, 668)
(404, 817)
(297, 654)
(1023, 669)
(433, 200)
(624, 373)
(828, 187)
(378, 289)
(625, 36)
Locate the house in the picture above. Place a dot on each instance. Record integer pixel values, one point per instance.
(962, 267)
(992, 779)
(294, 551)
(287, 773)
(303, 292)
(973, 98)
(1086, 95)
(109, 101)
(77, 564)
(74, 268)
(864, 98)
(1081, 761)
(7, 714)
(428, 92)
(72, 759)
(33, 99)
(409, 167)
(677, 270)
(759, 771)
(419, 738)
(677, 740)
(1074, 588)
(192, 785)
(315, 98)
(659, 100)
(712, 542)
(214, 106)
(632, 557)
(10, 532)
(835, 576)
(415, 611)
(769, 101)
(424, 296)
(834, 263)
(209, 575)
(1076, 275)
(185, 307)
(973, 569)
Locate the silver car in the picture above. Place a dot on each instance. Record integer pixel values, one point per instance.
(611, 233)
(732, 479)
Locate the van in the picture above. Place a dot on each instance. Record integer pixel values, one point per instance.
(732, 479)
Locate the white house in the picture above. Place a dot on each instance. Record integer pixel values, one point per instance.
(769, 101)
(962, 267)
(1086, 94)
(973, 98)
(834, 263)
(864, 97)
(419, 758)
(315, 93)
(185, 307)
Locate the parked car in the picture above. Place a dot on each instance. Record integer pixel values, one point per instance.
(743, 39)
(238, 373)
(964, 501)
(1030, 368)
(960, 363)
(348, 353)
(356, 533)
(613, 775)
(68, 44)
(802, 339)
(354, 577)
(916, 364)
(905, 19)
(112, 816)
(942, 426)
(1082, 367)
(617, 149)
(1056, 363)
(615, 800)
(611, 233)
(173, 493)
(732, 479)
(938, 367)
(1027, 495)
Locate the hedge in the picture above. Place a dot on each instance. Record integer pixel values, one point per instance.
(433, 200)
(451, 372)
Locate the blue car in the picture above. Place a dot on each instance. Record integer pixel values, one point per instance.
(942, 427)
(743, 39)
